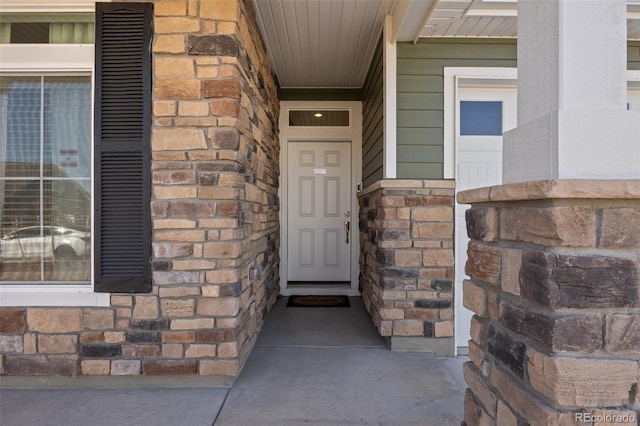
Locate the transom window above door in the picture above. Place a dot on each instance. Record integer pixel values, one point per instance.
(319, 118)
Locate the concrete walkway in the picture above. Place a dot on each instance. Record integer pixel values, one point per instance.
(317, 366)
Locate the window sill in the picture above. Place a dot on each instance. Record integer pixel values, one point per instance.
(20, 295)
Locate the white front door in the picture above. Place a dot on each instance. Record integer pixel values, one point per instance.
(319, 210)
(482, 115)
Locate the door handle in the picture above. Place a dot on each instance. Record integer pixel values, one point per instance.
(347, 227)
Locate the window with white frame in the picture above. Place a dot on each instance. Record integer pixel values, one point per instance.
(45, 148)
(46, 70)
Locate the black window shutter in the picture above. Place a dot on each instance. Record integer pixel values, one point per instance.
(122, 147)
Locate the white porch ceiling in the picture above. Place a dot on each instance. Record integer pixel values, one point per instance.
(321, 43)
(330, 43)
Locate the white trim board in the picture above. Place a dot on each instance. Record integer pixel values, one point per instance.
(390, 95)
(352, 133)
(454, 78)
(633, 78)
(48, 6)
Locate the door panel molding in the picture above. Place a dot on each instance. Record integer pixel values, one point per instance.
(332, 195)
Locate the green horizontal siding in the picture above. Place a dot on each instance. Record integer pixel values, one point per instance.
(420, 101)
(373, 170)
(420, 118)
(459, 49)
(417, 66)
(419, 83)
(418, 153)
(420, 136)
(424, 170)
(373, 121)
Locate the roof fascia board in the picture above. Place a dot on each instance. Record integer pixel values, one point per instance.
(410, 17)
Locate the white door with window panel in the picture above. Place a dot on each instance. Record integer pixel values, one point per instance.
(482, 115)
(319, 210)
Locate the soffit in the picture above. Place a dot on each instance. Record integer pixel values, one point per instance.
(321, 43)
(493, 18)
(330, 43)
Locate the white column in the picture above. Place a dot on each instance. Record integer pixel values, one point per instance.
(389, 66)
(572, 94)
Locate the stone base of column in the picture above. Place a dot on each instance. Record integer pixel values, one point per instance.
(555, 287)
(440, 347)
(406, 262)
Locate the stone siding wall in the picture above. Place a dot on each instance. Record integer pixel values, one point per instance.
(555, 288)
(406, 260)
(214, 210)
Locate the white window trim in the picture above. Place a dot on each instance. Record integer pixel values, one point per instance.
(48, 6)
(48, 58)
(633, 77)
(389, 97)
(52, 59)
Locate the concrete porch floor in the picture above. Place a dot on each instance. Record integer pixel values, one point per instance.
(320, 366)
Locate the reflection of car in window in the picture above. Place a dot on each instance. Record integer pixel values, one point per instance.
(47, 242)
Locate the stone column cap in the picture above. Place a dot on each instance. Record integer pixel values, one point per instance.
(550, 189)
(409, 184)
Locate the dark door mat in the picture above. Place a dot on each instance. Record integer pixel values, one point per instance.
(318, 302)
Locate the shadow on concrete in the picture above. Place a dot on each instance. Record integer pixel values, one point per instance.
(318, 366)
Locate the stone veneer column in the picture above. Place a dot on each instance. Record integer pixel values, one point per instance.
(555, 287)
(215, 177)
(215, 236)
(406, 262)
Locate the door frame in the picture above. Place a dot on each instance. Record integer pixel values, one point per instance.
(506, 94)
(352, 134)
(454, 77)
